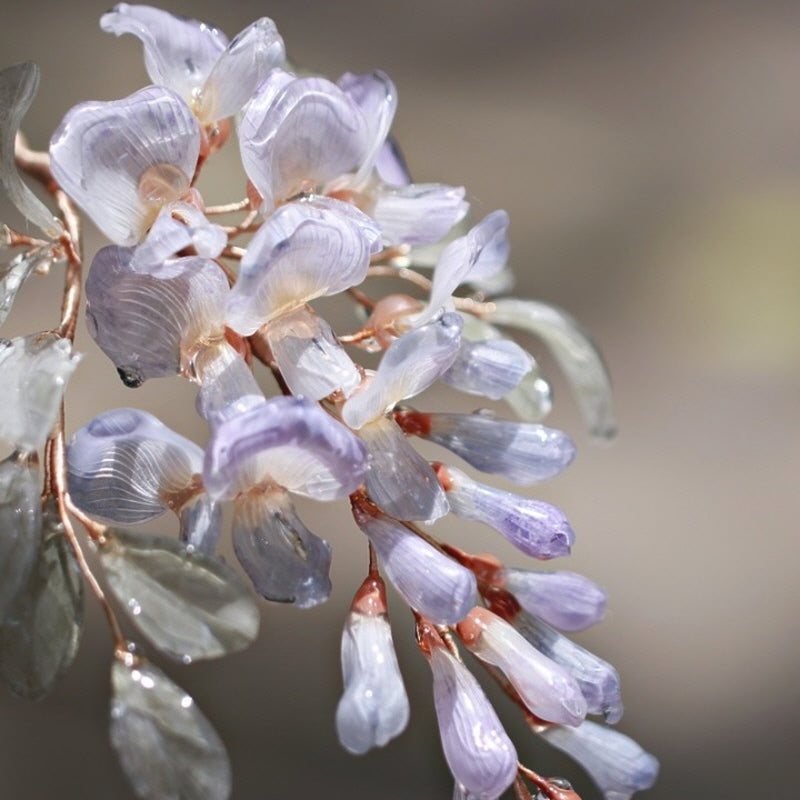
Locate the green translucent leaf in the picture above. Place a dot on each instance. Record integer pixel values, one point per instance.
(189, 605)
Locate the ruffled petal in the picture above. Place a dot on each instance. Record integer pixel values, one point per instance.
(178, 53)
(121, 161)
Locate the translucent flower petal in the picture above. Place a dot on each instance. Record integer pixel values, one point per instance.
(151, 323)
(478, 751)
(572, 348)
(14, 271)
(301, 252)
(40, 636)
(390, 164)
(489, 368)
(18, 85)
(523, 452)
(121, 161)
(598, 680)
(241, 69)
(300, 136)
(285, 561)
(532, 399)
(616, 763)
(178, 53)
(399, 479)
(20, 527)
(374, 708)
(201, 523)
(189, 605)
(547, 689)
(536, 528)
(290, 442)
(409, 365)
(166, 747)
(311, 360)
(35, 372)
(429, 581)
(419, 213)
(376, 96)
(482, 252)
(566, 600)
(126, 466)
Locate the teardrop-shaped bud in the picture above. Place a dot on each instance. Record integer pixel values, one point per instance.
(617, 764)
(150, 324)
(548, 690)
(536, 528)
(165, 745)
(374, 707)
(489, 368)
(532, 399)
(189, 605)
(598, 680)
(523, 452)
(478, 751)
(399, 479)
(429, 581)
(566, 600)
(574, 351)
(126, 466)
(289, 442)
(41, 634)
(285, 561)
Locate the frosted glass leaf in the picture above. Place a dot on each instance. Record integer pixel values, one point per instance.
(190, 606)
(151, 323)
(20, 528)
(126, 466)
(18, 85)
(572, 348)
(166, 747)
(35, 371)
(285, 561)
(40, 637)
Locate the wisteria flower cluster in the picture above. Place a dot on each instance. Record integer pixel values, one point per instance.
(328, 209)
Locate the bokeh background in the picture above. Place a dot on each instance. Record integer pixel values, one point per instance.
(649, 157)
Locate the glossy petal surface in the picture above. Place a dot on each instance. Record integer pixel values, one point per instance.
(488, 369)
(190, 606)
(122, 160)
(167, 748)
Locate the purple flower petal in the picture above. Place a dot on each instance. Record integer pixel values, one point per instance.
(121, 161)
(489, 368)
(201, 524)
(391, 165)
(298, 134)
(290, 442)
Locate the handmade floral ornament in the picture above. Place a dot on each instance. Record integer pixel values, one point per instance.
(215, 77)
(122, 161)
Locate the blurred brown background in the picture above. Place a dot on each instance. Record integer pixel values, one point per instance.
(649, 156)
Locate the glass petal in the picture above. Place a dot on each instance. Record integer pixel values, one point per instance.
(178, 53)
(20, 528)
(201, 523)
(536, 528)
(429, 581)
(35, 372)
(241, 69)
(478, 751)
(285, 561)
(289, 441)
(566, 600)
(409, 365)
(125, 466)
(18, 85)
(489, 368)
(572, 348)
(390, 164)
(189, 605)
(151, 323)
(40, 637)
(299, 137)
(14, 271)
(616, 763)
(420, 213)
(301, 252)
(532, 399)
(374, 708)
(121, 161)
(598, 680)
(167, 748)
(311, 360)
(399, 479)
